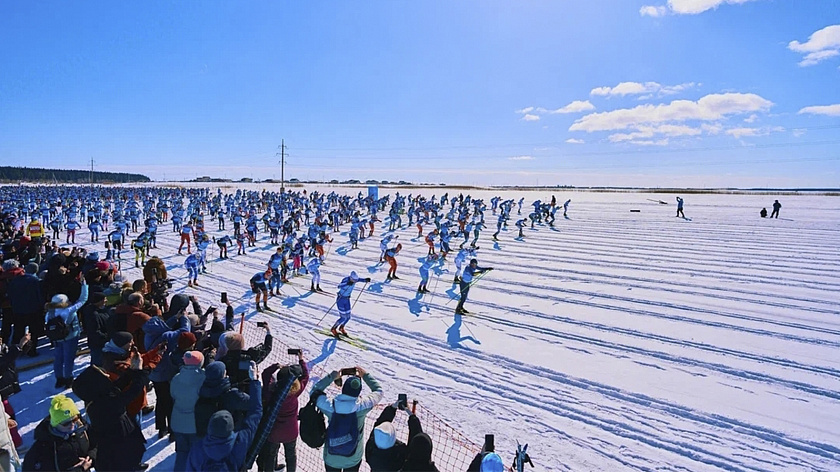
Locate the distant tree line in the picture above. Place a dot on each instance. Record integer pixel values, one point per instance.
(27, 174)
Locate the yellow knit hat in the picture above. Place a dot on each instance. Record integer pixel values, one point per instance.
(62, 409)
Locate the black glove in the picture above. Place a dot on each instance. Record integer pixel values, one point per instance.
(367, 280)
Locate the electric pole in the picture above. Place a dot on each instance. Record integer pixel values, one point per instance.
(282, 155)
(90, 177)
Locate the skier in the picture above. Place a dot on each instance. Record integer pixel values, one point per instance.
(186, 231)
(566, 207)
(223, 243)
(345, 289)
(71, 227)
(459, 262)
(259, 288)
(424, 272)
(520, 224)
(466, 281)
(275, 263)
(192, 264)
(776, 207)
(680, 207)
(383, 245)
(391, 257)
(313, 266)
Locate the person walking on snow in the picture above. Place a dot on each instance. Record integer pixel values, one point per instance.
(566, 207)
(776, 207)
(466, 281)
(680, 207)
(345, 289)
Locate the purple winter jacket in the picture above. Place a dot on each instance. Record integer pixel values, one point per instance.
(286, 425)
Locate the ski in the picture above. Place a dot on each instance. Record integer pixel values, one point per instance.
(351, 340)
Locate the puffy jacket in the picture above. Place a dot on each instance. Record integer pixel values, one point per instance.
(385, 460)
(54, 453)
(285, 427)
(233, 448)
(25, 294)
(216, 394)
(184, 390)
(344, 404)
(69, 314)
(158, 332)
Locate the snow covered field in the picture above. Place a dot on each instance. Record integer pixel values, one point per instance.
(617, 340)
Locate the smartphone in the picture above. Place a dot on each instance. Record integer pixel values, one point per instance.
(489, 443)
(224, 297)
(294, 352)
(262, 324)
(348, 371)
(402, 400)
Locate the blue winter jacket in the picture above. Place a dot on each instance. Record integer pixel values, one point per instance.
(233, 448)
(158, 332)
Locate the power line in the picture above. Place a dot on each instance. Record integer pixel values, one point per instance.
(621, 152)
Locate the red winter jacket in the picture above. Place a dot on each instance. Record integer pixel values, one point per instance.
(286, 425)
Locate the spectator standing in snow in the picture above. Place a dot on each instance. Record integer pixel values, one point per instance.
(776, 207)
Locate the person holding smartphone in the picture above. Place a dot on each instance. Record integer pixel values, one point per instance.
(285, 430)
(383, 451)
(348, 407)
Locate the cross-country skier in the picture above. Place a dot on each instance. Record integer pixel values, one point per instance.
(462, 256)
(258, 287)
(466, 281)
(383, 245)
(186, 231)
(223, 244)
(345, 289)
(680, 207)
(565, 207)
(430, 261)
(192, 264)
(391, 258)
(521, 223)
(313, 266)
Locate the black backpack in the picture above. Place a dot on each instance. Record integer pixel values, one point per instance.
(313, 429)
(57, 329)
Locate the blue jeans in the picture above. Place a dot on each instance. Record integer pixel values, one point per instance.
(183, 443)
(65, 354)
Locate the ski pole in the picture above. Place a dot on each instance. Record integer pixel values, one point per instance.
(474, 281)
(357, 296)
(327, 312)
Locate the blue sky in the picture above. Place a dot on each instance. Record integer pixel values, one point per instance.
(591, 92)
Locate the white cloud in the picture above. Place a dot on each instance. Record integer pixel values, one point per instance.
(685, 7)
(521, 158)
(798, 133)
(709, 108)
(658, 142)
(576, 106)
(693, 7)
(574, 141)
(647, 132)
(638, 88)
(530, 117)
(751, 118)
(821, 45)
(656, 12)
(753, 132)
(828, 110)
(525, 110)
